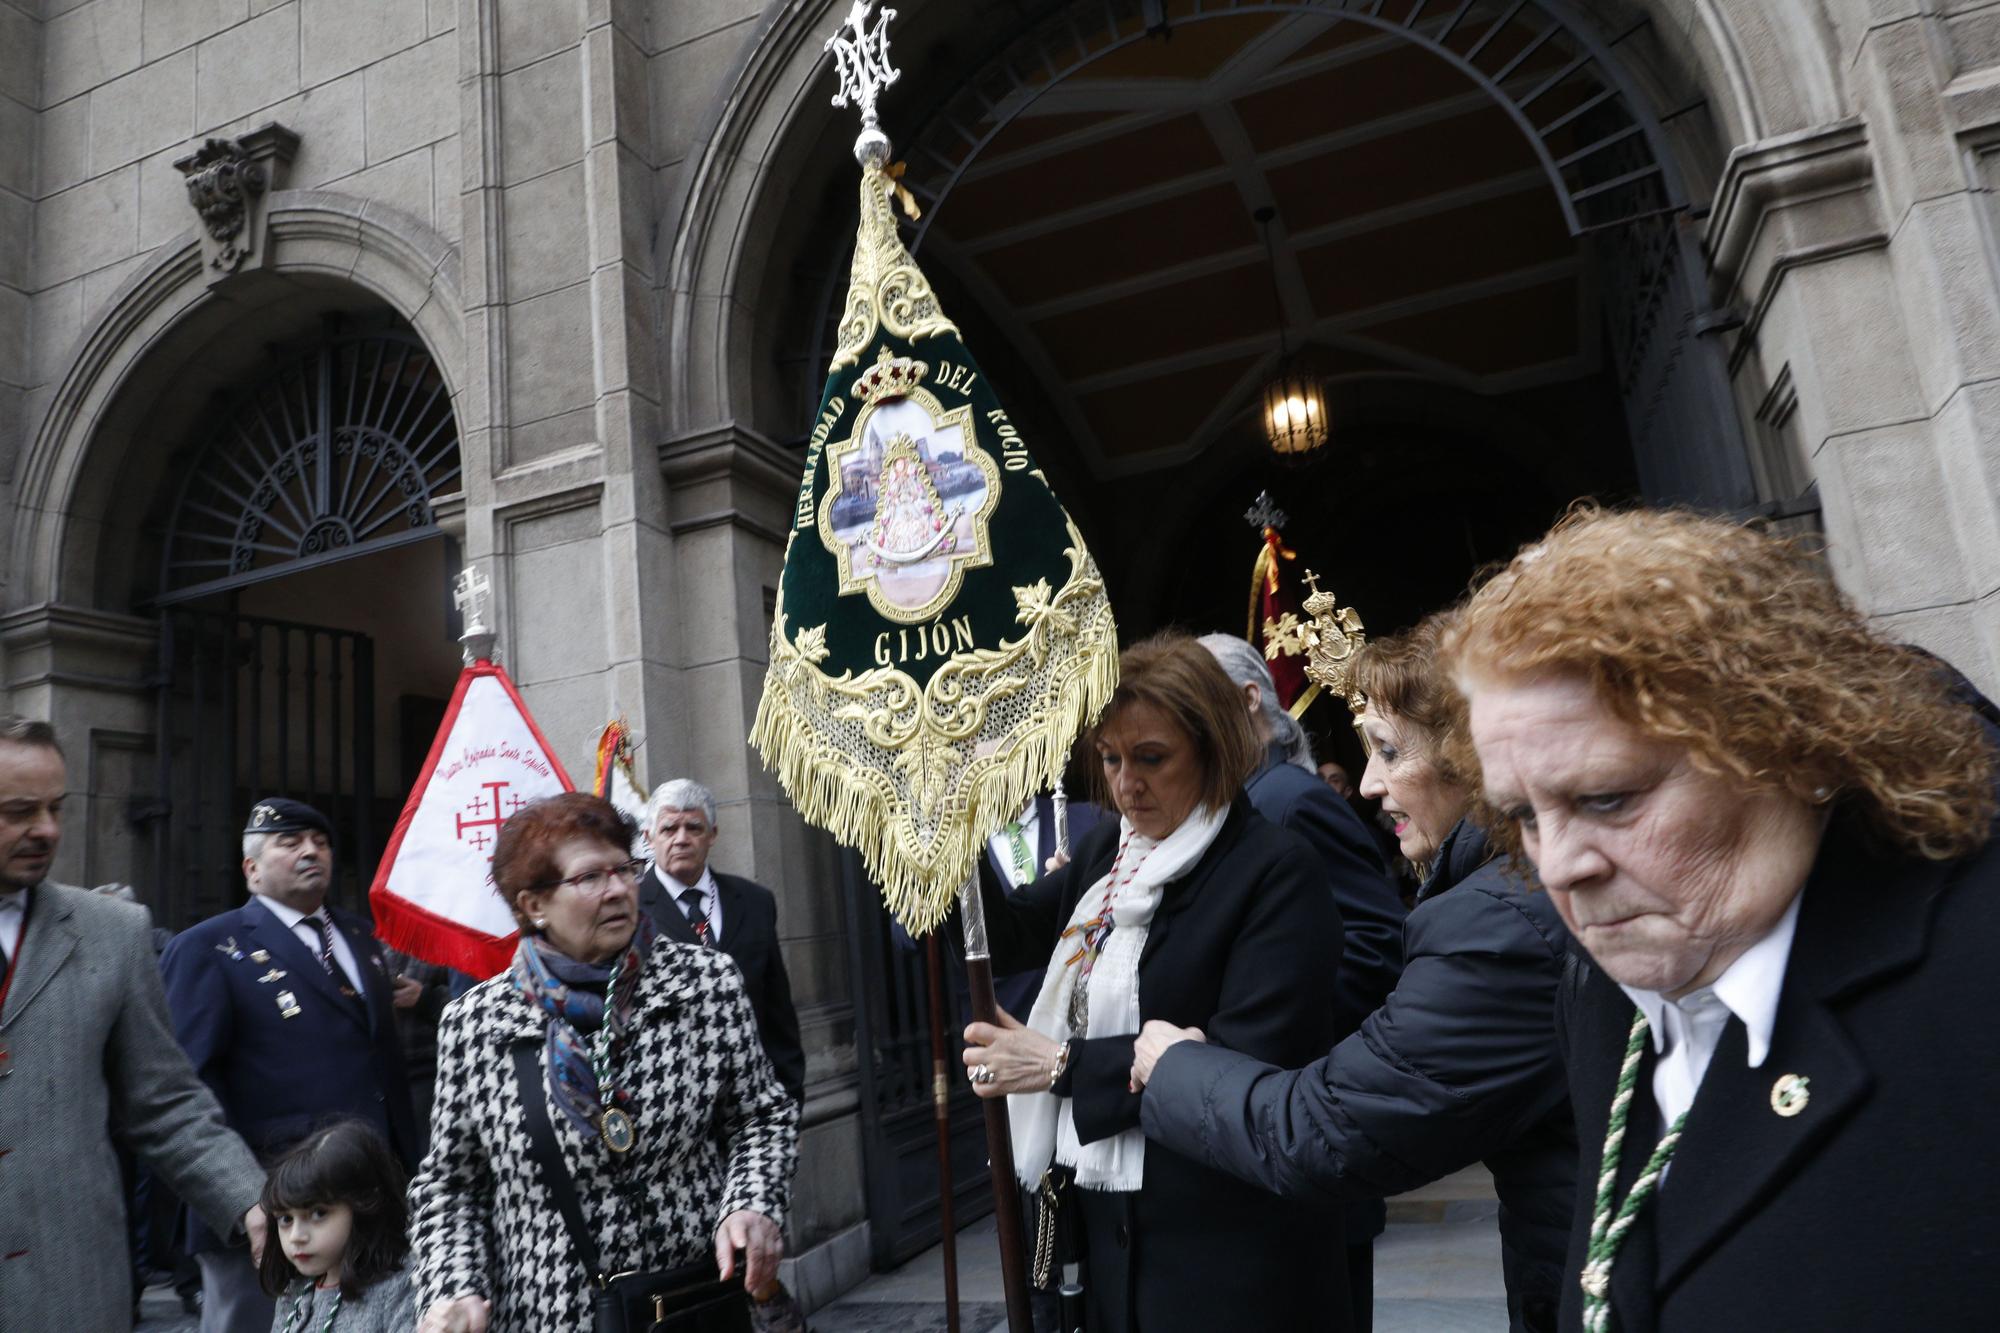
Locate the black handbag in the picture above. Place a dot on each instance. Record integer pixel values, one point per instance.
(690, 1299)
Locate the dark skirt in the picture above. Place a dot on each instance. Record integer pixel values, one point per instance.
(1252, 1262)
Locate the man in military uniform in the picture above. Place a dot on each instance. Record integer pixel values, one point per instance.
(286, 1009)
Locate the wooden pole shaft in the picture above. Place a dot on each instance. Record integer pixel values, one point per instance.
(999, 1145)
(941, 1086)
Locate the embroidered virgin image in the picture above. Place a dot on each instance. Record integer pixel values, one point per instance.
(909, 496)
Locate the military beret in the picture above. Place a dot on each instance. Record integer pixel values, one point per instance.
(279, 814)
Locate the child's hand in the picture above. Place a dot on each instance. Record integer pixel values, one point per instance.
(465, 1314)
(760, 1240)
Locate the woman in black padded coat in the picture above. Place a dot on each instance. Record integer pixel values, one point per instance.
(1460, 1064)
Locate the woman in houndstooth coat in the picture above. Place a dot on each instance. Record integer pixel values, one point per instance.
(713, 1136)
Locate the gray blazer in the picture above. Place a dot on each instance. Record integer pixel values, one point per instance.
(90, 1054)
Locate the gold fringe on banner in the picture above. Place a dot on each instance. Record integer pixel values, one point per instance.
(916, 780)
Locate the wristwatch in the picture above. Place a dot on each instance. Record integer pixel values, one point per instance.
(1062, 1063)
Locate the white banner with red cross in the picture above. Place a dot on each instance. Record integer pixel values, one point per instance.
(433, 895)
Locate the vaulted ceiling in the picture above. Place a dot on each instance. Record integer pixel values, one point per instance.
(1109, 229)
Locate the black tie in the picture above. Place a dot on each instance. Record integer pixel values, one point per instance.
(325, 929)
(691, 904)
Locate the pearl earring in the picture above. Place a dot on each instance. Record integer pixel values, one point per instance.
(541, 923)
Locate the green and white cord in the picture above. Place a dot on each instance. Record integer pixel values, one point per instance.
(1608, 1224)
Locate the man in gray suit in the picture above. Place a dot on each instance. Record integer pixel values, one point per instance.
(86, 1051)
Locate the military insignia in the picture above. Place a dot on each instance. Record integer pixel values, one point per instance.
(350, 992)
(909, 495)
(1790, 1094)
(376, 959)
(260, 956)
(275, 974)
(262, 815)
(228, 947)
(288, 1004)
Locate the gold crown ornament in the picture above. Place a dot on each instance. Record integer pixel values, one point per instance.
(1328, 637)
(890, 378)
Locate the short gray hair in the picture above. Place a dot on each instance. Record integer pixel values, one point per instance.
(29, 731)
(253, 845)
(1242, 663)
(680, 794)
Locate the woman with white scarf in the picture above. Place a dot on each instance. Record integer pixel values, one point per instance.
(1191, 909)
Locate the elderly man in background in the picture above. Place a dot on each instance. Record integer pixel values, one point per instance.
(1287, 790)
(86, 1052)
(1771, 830)
(689, 902)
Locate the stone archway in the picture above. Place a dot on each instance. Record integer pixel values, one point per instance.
(68, 481)
(82, 557)
(1757, 75)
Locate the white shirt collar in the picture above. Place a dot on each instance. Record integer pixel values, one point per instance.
(1749, 988)
(288, 916)
(14, 902)
(706, 883)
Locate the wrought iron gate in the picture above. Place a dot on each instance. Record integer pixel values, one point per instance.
(899, 1084)
(250, 707)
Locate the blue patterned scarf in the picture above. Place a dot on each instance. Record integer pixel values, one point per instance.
(552, 981)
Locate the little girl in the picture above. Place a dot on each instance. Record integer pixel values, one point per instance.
(336, 1235)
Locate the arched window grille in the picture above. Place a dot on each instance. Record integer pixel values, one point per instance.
(339, 452)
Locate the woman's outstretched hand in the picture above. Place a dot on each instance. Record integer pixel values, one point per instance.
(1014, 1058)
(1154, 1039)
(759, 1239)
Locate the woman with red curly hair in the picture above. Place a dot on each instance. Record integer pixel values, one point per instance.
(1770, 830)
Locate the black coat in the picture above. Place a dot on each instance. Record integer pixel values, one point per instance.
(1371, 912)
(1246, 947)
(280, 1076)
(1874, 1206)
(750, 936)
(1459, 1064)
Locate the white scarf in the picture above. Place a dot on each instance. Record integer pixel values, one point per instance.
(1043, 1126)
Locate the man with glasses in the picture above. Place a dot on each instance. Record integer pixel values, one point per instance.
(691, 903)
(286, 1007)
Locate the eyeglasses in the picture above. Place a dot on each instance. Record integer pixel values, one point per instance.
(599, 881)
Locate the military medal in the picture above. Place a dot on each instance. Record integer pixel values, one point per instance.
(618, 1131)
(275, 974)
(288, 1004)
(261, 956)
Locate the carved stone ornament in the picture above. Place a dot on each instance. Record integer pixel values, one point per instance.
(227, 181)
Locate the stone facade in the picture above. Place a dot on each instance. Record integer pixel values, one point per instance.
(585, 208)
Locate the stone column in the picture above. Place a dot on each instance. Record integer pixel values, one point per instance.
(90, 674)
(1860, 256)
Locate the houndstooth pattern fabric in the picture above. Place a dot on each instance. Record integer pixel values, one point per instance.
(716, 1134)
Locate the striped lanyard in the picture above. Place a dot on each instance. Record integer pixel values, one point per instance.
(1610, 1220)
(296, 1318)
(1098, 928)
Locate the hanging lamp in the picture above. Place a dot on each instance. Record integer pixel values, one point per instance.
(1294, 398)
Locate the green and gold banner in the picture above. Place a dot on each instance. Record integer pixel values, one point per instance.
(942, 635)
